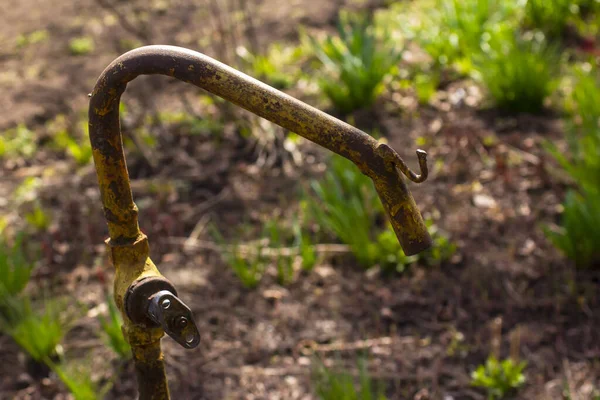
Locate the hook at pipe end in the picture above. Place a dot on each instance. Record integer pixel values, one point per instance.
(422, 156)
(397, 200)
(390, 156)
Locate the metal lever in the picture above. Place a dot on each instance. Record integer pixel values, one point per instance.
(153, 302)
(174, 317)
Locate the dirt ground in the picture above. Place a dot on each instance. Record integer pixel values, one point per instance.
(491, 189)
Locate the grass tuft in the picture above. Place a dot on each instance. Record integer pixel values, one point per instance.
(499, 378)
(344, 203)
(356, 62)
(550, 17)
(15, 269)
(111, 330)
(37, 332)
(578, 237)
(331, 385)
(519, 74)
(81, 45)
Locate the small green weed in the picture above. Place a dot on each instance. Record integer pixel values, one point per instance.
(356, 62)
(191, 124)
(15, 268)
(249, 266)
(274, 66)
(19, 141)
(331, 385)
(425, 85)
(499, 378)
(81, 45)
(250, 260)
(38, 333)
(77, 378)
(306, 247)
(111, 330)
(284, 263)
(34, 37)
(26, 198)
(37, 217)
(77, 147)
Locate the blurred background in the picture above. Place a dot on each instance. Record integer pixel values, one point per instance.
(281, 249)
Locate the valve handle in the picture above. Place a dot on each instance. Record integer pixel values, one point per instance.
(153, 302)
(174, 317)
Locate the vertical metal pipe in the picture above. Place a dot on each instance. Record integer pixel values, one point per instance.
(150, 372)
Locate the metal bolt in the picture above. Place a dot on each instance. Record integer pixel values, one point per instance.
(166, 303)
(181, 322)
(190, 338)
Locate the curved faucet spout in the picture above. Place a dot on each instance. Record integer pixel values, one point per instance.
(149, 302)
(382, 164)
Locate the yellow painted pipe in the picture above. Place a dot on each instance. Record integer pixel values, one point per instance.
(129, 247)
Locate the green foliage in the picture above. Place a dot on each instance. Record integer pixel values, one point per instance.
(356, 62)
(81, 45)
(550, 17)
(37, 217)
(345, 204)
(582, 161)
(27, 190)
(442, 248)
(331, 385)
(74, 142)
(35, 37)
(249, 266)
(519, 74)
(15, 268)
(284, 263)
(77, 378)
(499, 378)
(274, 66)
(19, 141)
(425, 86)
(111, 330)
(79, 149)
(306, 248)
(579, 235)
(3, 224)
(451, 30)
(38, 333)
(26, 197)
(191, 124)
(250, 260)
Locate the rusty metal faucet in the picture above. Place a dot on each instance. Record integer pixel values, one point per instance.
(148, 301)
